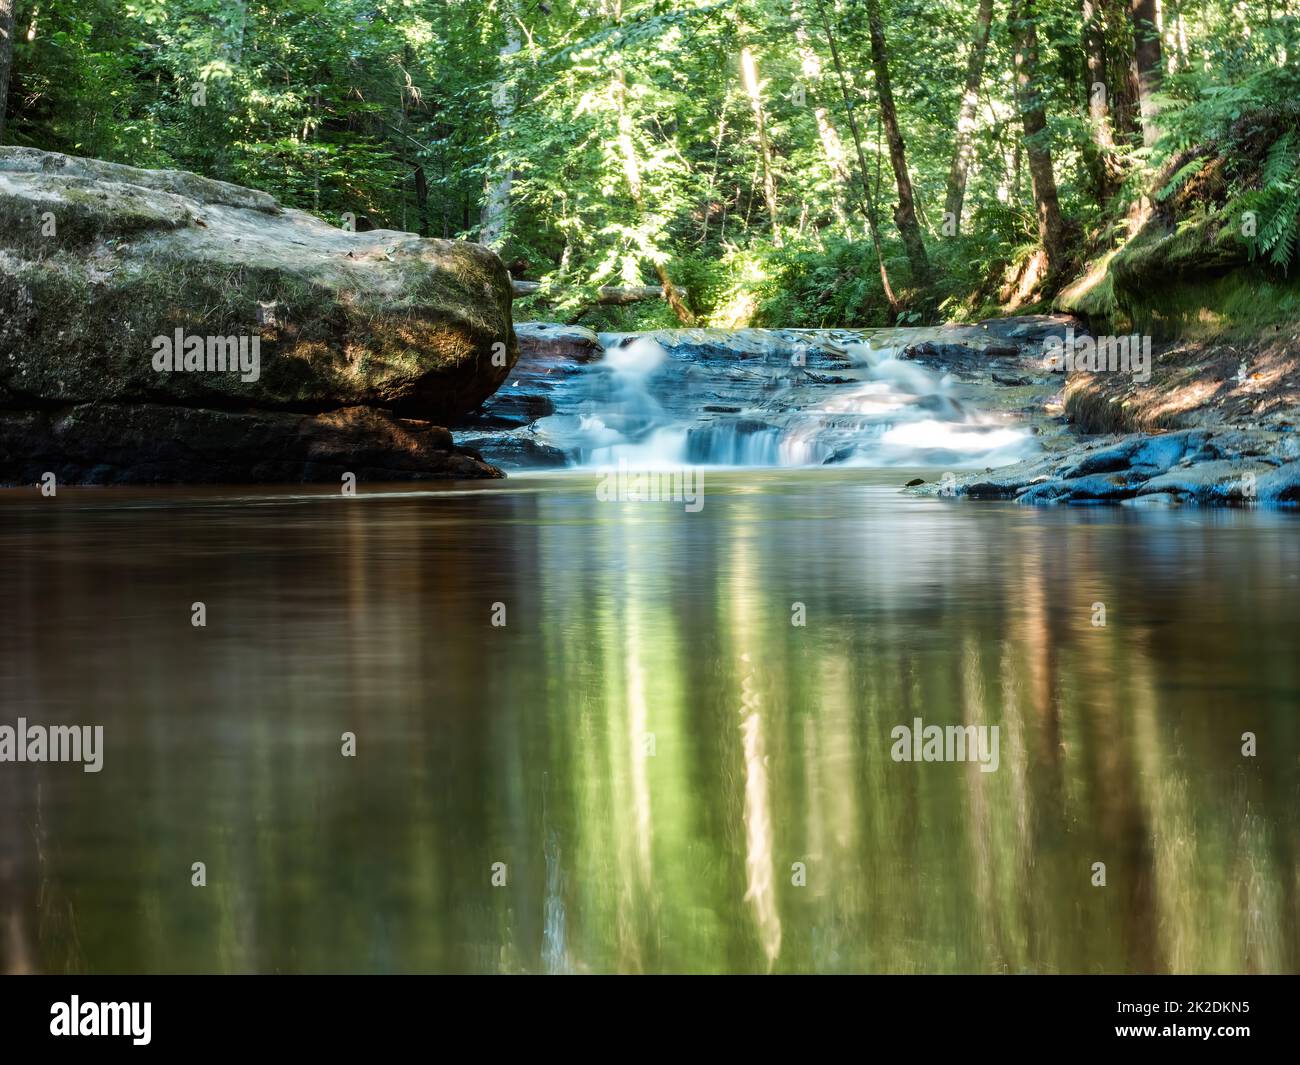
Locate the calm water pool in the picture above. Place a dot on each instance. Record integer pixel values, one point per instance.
(660, 768)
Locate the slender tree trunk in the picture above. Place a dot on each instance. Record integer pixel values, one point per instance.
(713, 178)
(238, 27)
(632, 173)
(1183, 60)
(749, 75)
(832, 147)
(905, 213)
(1146, 58)
(496, 201)
(1033, 117)
(6, 57)
(1120, 70)
(961, 157)
(1103, 162)
(868, 202)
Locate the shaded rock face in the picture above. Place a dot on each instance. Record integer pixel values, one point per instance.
(125, 293)
(551, 356)
(109, 443)
(1201, 466)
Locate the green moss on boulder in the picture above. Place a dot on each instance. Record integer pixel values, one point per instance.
(98, 260)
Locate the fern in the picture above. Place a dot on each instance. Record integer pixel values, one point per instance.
(1276, 203)
(1180, 177)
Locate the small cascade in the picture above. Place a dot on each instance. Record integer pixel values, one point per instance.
(773, 398)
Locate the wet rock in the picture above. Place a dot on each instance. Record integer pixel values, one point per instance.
(552, 340)
(1281, 485)
(1032, 328)
(1200, 466)
(109, 443)
(1216, 481)
(512, 408)
(514, 450)
(162, 306)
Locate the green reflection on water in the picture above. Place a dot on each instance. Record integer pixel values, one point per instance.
(649, 744)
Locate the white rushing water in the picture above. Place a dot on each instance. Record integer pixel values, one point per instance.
(647, 407)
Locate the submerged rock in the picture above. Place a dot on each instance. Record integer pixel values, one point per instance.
(134, 290)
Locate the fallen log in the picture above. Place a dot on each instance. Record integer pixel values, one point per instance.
(607, 295)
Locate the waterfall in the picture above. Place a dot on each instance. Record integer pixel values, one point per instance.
(773, 398)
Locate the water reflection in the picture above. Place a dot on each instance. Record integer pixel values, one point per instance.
(675, 775)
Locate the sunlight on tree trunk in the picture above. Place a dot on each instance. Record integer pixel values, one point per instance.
(905, 212)
(1103, 163)
(749, 75)
(961, 158)
(496, 203)
(6, 57)
(810, 65)
(1146, 59)
(632, 174)
(868, 201)
(1038, 151)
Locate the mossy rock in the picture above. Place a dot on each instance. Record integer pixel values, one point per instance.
(98, 261)
(1187, 274)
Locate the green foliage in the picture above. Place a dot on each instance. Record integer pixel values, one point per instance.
(631, 143)
(1276, 203)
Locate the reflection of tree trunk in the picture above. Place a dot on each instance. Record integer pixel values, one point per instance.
(1102, 162)
(6, 56)
(961, 158)
(905, 214)
(496, 204)
(832, 147)
(868, 202)
(1146, 58)
(749, 75)
(1033, 118)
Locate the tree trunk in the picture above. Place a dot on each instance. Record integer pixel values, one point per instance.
(607, 295)
(979, 50)
(1103, 162)
(1120, 74)
(832, 147)
(1146, 58)
(632, 174)
(905, 213)
(6, 57)
(238, 27)
(1033, 118)
(868, 202)
(749, 75)
(496, 201)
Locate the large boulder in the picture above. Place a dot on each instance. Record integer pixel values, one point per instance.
(127, 289)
